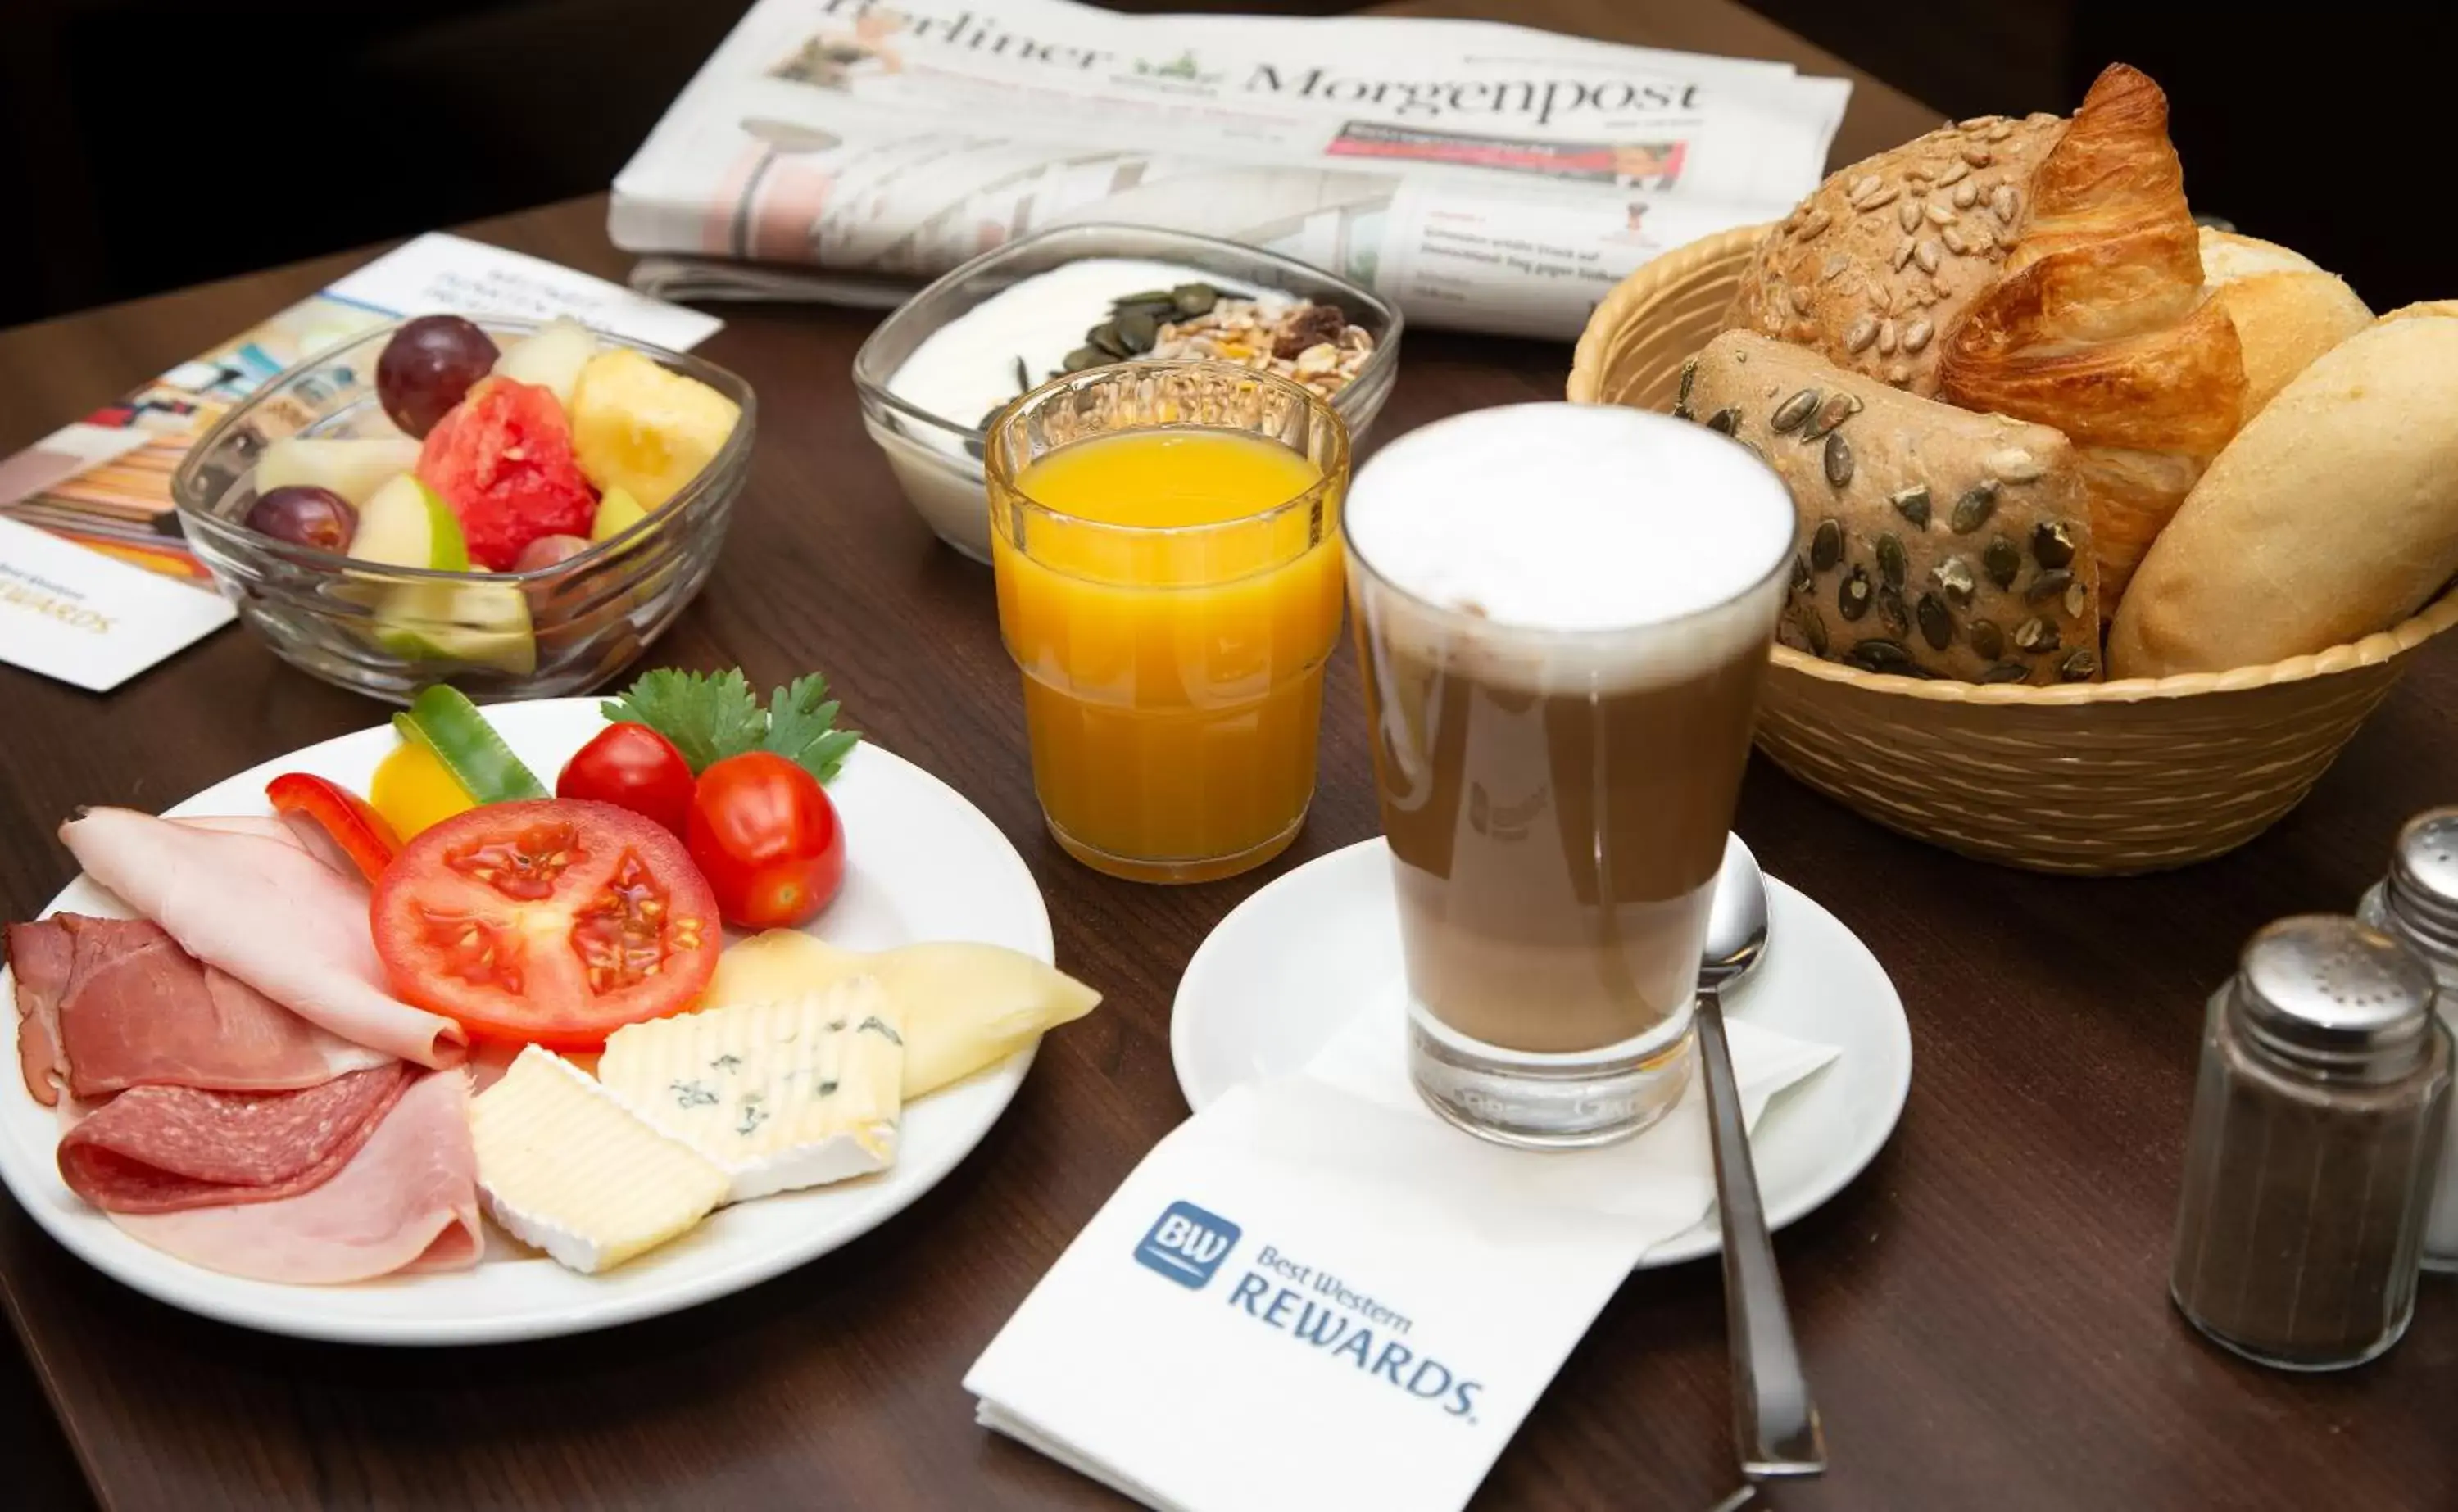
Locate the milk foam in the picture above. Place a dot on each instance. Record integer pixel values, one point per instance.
(1549, 522)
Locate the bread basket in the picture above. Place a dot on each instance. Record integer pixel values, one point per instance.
(2092, 779)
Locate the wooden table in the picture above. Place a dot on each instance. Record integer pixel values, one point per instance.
(1984, 1312)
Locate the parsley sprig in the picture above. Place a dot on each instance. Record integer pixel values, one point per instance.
(710, 716)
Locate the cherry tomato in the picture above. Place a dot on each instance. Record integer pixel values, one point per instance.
(339, 815)
(766, 836)
(632, 767)
(547, 921)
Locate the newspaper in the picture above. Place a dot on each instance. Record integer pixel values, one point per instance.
(1481, 176)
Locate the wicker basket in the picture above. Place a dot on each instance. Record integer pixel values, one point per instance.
(2098, 778)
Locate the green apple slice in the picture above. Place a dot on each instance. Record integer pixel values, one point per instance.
(617, 512)
(407, 524)
(476, 624)
(551, 358)
(353, 468)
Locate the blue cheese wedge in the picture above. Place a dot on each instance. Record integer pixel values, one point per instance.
(564, 1166)
(781, 1095)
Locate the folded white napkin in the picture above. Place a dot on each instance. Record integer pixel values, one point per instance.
(1316, 1295)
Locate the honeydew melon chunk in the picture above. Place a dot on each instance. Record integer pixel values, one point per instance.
(354, 467)
(551, 358)
(477, 624)
(407, 524)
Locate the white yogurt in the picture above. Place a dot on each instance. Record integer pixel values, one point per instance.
(966, 368)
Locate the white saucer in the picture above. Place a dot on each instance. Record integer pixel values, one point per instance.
(1281, 975)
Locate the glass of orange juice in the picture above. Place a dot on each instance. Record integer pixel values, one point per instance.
(1166, 537)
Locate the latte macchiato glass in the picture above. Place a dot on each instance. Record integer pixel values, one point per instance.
(1563, 614)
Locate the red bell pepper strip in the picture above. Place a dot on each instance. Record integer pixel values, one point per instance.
(361, 833)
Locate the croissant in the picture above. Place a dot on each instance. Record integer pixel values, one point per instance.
(2041, 268)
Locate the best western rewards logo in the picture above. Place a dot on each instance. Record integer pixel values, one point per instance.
(1307, 1304)
(1187, 1244)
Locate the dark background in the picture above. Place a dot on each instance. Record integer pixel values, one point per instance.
(148, 144)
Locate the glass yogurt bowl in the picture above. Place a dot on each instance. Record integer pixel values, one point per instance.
(937, 459)
(388, 631)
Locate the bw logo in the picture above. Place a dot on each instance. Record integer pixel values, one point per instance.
(1187, 1244)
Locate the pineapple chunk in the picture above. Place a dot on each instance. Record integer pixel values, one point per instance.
(638, 428)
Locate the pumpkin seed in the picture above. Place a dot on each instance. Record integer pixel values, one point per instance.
(1952, 577)
(1195, 299)
(1082, 358)
(2079, 665)
(2007, 671)
(2047, 586)
(1105, 336)
(1862, 333)
(2001, 561)
(1143, 297)
(2053, 543)
(1838, 459)
(1789, 414)
(2036, 634)
(1972, 511)
(1682, 399)
(1986, 638)
(1813, 628)
(1838, 408)
(1917, 334)
(1023, 377)
(1725, 420)
(1890, 561)
(1891, 610)
(1826, 545)
(1137, 332)
(1877, 654)
(1912, 504)
(1852, 598)
(2078, 595)
(1801, 578)
(1936, 625)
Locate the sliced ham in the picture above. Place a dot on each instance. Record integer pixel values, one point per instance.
(268, 912)
(406, 1201)
(40, 960)
(162, 1149)
(109, 1003)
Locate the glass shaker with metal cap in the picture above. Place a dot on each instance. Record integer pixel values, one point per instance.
(2318, 1124)
(2417, 904)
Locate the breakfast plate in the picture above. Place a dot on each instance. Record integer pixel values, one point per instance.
(926, 865)
(1280, 976)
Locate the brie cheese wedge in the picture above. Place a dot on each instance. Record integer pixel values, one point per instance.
(566, 1168)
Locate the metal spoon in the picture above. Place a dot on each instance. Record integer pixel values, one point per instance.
(1774, 1421)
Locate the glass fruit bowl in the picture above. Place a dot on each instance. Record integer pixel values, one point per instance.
(937, 459)
(388, 631)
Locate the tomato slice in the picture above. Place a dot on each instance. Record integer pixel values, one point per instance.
(551, 921)
(363, 835)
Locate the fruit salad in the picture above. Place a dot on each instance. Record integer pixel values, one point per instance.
(511, 459)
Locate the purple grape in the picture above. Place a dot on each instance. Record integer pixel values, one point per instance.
(547, 550)
(428, 366)
(304, 516)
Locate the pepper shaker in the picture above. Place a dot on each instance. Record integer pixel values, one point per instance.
(2417, 905)
(2317, 1131)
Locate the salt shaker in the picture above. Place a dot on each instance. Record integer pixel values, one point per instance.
(2317, 1131)
(2417, 904)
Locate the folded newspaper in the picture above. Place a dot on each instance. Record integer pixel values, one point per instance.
(1482, 176)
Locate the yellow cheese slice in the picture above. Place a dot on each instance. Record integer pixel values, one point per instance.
(962, 1005)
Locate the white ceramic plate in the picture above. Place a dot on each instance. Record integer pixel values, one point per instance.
(924, 864)
(1281, 975)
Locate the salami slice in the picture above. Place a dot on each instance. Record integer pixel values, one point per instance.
(166, 1149)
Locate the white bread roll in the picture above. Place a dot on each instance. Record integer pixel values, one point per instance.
(2288, 311)
(2332, 515)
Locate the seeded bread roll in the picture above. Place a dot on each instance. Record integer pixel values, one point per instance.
(1932, 542)
(2042, 268)
(2286, 310)
(2333, 516)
